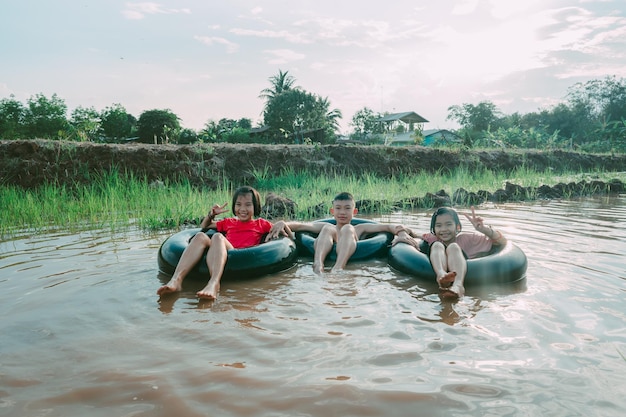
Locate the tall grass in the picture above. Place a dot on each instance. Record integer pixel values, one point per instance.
(115, 200)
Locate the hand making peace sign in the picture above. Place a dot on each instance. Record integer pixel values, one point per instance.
(216, 210)
(475, 220)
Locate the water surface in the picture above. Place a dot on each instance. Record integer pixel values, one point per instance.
(83, 332)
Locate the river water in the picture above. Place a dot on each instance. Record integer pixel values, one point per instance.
(83, 333)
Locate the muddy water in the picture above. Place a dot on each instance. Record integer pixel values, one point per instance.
(83, 333)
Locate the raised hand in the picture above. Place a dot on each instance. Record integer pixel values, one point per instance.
(476, 221)
(216, 210)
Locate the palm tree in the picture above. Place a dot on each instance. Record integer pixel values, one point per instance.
(332, 116)
(281, 82)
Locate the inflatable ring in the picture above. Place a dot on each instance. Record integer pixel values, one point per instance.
(506, 264)
(373, 245)
(266, 258)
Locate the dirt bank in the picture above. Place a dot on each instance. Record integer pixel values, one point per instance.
(30, 163)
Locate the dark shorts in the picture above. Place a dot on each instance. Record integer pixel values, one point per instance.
(424, 247)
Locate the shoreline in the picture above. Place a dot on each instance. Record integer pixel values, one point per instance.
(31, 163)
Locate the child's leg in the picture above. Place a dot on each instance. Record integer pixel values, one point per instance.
(216, 261)
(346, 246)
(323, 245)
(458, 264)
(439, 262)
(188, 260)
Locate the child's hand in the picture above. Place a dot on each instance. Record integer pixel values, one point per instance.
(476, 221)
(278, 229)
(405, 239)
(216, 210)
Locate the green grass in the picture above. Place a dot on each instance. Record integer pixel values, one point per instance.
(116, 201)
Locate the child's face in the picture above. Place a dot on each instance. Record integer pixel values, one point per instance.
(244, 207)
(445, 228)
(343, 211)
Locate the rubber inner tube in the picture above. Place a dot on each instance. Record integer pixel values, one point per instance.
(506, 264)
(266, 258)
(373, 245)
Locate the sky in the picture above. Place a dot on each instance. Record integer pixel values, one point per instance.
(207, 60)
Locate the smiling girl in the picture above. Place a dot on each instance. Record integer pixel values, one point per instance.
(449, 248)
(241, 231)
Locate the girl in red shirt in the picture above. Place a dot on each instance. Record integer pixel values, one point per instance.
(241, 231)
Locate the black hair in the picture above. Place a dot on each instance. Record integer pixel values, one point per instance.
(445, 210)
(256, 198)
(344, 196)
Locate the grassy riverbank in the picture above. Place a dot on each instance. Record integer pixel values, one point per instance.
(117, 201)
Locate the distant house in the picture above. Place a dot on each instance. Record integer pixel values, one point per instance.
(402, 122)
(258, 130)
(408, 117)
(400, 139)
(400, 127)
(431, 137)
(440, 137)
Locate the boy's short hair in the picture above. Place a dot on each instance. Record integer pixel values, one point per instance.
(343, 196)
(256, 198)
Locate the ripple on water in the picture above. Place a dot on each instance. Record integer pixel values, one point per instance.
(84, 333)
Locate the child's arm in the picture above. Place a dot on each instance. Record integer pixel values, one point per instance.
(287, 228)
(313, 227)
(207, 222)
(394, 229)
(479, 224)
(495, 235)
(278, 229)
(405, 235)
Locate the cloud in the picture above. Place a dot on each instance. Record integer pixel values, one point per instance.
(273, 34)
(464, 7)
(231, 47)
(137, 11)
(283, 56)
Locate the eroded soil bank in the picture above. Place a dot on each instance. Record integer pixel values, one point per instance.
(30, 163)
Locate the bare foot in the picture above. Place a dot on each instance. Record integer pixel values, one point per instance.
(318, 268)
(209, 292)
(447, 280)
(455, 291)
(169, 288)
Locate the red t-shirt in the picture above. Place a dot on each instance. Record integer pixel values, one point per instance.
(243, 234)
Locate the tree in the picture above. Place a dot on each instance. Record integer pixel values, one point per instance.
(209, 133)
(244, 123)
(597, 104)
(364, 122)
(475, 119)
(227, 130)
(12, 115)
(187, 136)
(85, 123)
(603, 99)
(294, 115)
(332, 117)
(116, 123)
(158, 126)
(297, 116)
(46, 117)
(281, 82)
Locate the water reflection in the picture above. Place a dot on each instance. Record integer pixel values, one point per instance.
(85, 334)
